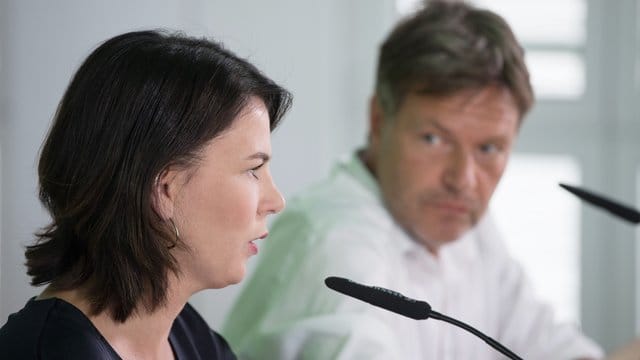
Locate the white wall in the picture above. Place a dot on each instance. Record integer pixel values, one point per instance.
(322, 51)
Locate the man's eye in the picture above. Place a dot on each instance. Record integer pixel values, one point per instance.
(489, 148)
(432, 139)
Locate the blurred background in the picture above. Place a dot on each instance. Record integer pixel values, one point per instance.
(584, 56)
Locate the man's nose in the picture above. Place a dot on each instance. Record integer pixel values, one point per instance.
(460, 172)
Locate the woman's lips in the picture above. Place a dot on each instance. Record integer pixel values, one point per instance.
(253, 248)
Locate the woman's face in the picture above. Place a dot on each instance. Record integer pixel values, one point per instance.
(220, 205)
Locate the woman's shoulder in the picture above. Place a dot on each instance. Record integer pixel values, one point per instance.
(192, 338)
(52, 329)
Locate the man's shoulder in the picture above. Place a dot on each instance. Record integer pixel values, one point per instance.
(347, 185)
(321, 196)
(334, 224)
(333, 204)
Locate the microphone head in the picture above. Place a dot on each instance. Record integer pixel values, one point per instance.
(381, 297)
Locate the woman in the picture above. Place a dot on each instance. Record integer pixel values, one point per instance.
(155, 173)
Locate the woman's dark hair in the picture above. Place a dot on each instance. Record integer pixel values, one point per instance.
(447, 47)
(141, 102)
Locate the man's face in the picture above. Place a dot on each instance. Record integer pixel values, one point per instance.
(439, 159)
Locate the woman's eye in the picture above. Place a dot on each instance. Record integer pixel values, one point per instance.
(432, 139)
(253, 171)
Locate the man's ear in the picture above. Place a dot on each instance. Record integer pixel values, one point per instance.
(376, 122)
(165, 192)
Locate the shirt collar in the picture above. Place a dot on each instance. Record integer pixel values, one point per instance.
(353, 165)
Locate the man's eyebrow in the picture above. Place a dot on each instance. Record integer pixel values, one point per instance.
(434, 122)
(259, 155)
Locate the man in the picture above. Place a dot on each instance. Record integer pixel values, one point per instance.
(408, 213)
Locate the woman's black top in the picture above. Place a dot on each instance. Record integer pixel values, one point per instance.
(54, 329)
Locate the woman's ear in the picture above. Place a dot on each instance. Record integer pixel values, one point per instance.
(165, 192)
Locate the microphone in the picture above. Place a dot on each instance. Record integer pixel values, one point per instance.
(620, 210)
(400, 304)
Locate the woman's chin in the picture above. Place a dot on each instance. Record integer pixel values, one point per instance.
(236, 277)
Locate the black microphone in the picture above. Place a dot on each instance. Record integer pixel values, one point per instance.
(620, 210)
(400, 304)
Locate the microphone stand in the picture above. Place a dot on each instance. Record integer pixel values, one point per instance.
(490, 341)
